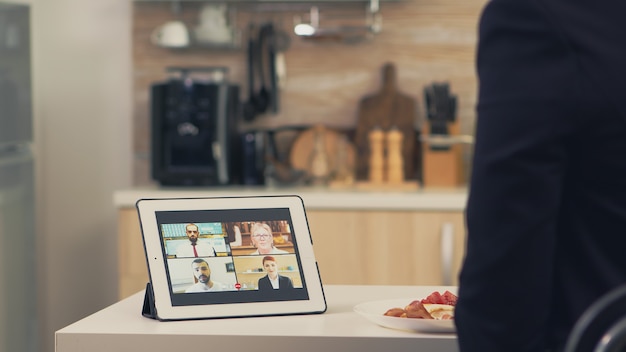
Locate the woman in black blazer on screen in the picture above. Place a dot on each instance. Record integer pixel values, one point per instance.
(546, 215)
(273, 281)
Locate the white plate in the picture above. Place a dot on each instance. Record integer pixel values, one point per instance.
(374, 311)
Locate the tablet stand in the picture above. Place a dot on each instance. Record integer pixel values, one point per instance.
(148, 310)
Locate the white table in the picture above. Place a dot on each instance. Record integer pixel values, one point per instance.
(121, 327)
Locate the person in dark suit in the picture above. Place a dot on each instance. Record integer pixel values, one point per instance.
(546, 213)
(273, 281)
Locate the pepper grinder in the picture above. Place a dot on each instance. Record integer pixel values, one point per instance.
(376, 160)
(395, 164)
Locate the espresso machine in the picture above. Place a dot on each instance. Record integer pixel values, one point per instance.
(194, 130)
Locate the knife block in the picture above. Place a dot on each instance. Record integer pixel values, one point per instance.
(442, 167)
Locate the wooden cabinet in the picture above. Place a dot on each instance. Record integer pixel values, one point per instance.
(352, 247)
(388, 247)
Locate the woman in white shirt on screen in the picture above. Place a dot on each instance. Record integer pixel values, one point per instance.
(263, 240)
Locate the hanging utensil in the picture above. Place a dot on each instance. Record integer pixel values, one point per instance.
(251, 107)
(262, 65)
(272, 69)
(282, 41)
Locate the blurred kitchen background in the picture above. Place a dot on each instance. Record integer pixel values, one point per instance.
(324, 78)
(94, 64)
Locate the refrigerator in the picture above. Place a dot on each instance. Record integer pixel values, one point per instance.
(19, 273)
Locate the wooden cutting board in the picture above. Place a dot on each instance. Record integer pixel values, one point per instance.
(386, 109)
(302, 148)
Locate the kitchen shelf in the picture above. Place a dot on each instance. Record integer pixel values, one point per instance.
(312, 29)
(274, 5)
(267, 1)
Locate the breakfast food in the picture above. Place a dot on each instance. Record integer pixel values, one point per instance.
(435, 306)
(447, 298)
(440, 311)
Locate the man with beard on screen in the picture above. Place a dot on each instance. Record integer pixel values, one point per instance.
(194, 248)
(202, 273)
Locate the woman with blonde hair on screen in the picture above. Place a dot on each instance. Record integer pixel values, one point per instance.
(263, 239)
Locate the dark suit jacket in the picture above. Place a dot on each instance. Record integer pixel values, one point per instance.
(546, 214)
(284, 283)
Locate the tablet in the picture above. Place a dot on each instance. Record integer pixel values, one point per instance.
(230, 257)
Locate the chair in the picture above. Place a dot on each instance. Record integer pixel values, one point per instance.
(602, 327)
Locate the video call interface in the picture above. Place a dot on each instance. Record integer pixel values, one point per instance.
(231, 256)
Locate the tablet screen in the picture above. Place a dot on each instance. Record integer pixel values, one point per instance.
(231, 256)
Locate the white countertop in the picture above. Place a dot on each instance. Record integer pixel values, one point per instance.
(121, 328)
(315, 198)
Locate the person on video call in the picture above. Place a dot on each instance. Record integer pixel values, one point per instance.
(273, 281)
(193, 248)
(202, 273)
(263, 240)
(547, 198)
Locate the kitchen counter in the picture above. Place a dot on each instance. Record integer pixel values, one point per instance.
(122, 328)
(316, 198)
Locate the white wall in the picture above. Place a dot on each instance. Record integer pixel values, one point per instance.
(82, 91)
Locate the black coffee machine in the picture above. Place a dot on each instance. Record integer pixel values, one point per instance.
(194, 129)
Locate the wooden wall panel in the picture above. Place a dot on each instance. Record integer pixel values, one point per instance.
(428, 40)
